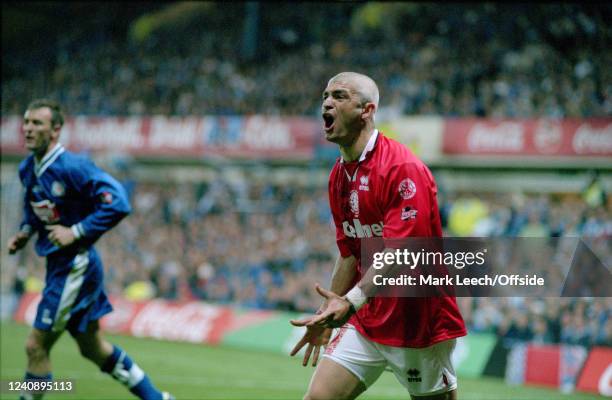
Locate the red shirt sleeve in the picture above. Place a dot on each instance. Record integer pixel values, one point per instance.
(410, 207)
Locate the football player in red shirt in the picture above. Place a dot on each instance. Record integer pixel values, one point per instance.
(377, 188)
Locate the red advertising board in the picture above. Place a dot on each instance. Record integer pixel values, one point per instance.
(596, 375)
(231, 136)
(189, 321)
(534, 137)
(542, 365)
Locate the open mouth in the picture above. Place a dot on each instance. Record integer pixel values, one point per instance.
(328, 122)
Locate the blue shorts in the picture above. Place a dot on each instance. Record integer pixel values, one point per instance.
(74, 292)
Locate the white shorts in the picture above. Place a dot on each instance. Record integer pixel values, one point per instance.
(423, 371)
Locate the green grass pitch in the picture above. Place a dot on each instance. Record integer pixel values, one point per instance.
(192, 371)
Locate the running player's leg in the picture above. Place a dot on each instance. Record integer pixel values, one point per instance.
(349, 366)
(90, 305)
(38, 347)
(114, 361)
(43, 336)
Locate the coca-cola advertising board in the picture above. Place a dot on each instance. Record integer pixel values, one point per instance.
(182, 321)
(534, 137)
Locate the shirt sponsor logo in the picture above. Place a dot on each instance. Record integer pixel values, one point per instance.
(359, 230)
(408, 213)
(407, 189)
(354, 202)
(36, 189)
(364, 180)
(45, 211)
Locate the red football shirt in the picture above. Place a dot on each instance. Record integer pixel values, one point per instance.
(390, 193)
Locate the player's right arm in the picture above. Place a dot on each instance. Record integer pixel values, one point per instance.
(342, 280)
(17, 241)
(29, 223)
(317, 335)
(343, 276)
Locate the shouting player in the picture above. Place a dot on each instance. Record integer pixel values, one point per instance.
(70, 203)
(373, 183)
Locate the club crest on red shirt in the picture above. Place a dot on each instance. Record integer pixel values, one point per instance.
(354, 201)
(407, 189)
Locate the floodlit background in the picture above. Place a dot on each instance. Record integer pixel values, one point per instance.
(209, 113)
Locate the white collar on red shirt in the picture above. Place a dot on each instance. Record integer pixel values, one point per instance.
(369, 147)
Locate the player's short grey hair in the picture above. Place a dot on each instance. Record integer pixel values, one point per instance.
(363, 85)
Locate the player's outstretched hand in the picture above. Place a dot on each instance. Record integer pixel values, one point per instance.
(17, 242)
(315, 337)
(337, 312)
(60, 235)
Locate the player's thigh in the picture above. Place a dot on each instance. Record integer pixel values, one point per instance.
(426, 373)
(332, 381)
(351, 357)
(41, 340)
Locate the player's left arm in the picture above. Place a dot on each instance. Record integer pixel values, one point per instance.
(110, 202)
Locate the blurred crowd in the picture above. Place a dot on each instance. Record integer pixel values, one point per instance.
(259, 245)
(494, 60)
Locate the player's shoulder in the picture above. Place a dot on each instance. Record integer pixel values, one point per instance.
(73, 161)
(70, 156)
(72, 165)
(335, 169)
(393, 154)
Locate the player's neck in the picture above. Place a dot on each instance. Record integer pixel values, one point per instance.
(353, 151)
(40, 155)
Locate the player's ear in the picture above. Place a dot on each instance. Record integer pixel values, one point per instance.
(368, 111)
(56, 130)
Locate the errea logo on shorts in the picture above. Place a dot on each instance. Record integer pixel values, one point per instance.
(414, 375)
(359, 230)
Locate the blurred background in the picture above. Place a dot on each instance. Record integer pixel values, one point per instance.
(209, 114)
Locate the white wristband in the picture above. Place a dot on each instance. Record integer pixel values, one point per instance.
(27, 229)
(75, 231)
(356, 297)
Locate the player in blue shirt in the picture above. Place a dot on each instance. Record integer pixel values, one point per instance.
(69, 202)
